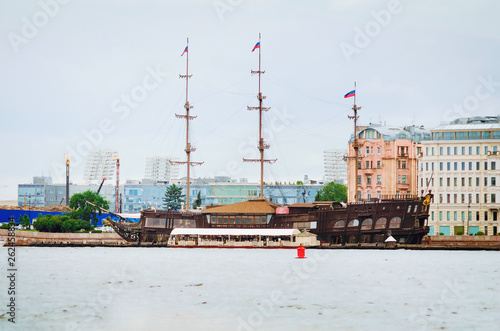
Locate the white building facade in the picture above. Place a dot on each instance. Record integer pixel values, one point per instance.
(461, 166)
(335, 166)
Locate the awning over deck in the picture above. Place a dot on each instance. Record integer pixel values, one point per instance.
(234, 232)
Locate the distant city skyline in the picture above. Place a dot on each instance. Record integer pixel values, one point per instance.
(78, 76)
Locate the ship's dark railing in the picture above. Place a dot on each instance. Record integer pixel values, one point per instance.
(389, 197)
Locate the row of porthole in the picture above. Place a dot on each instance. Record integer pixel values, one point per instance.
(368, 223)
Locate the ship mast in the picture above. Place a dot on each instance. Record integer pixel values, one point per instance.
(188, 117)
(261, 145)
(355, 144)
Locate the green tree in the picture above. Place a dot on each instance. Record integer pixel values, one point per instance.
(173, 197)
(25, 221)
(85, 211)
(198, 200)
(332, 192)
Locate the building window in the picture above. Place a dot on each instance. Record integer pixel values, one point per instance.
(440, 181)
(359, 195)
(403, 164)
(440, 215)
(447, 215)
(493, 198)
(448, 181)
(477, 216)
(369, 195)
(367, 164)
(455, 150)
(470, 198)
(359, 164)
(485, 215)
(478, 149)
(432, 166)
(455, 181)
(427, 151)
(485, 198)
(477, 166)
(470, 165)
(477, 198)
(399, 179)
(485, 181)
(426, 166)
(379, 164)
(404, 179)
(455, 166)
(477, 181)
(463, 150)
(463, 165)
(448, 166)
(448, 150)
(440, 198)
(454, 215)
(432, 215)
(368, 179)
(470, 181)
(379, 179)
(493, 165)
(448, 198)
(367, 150)
(485, 150)
(463, 181)
(493, 181)
(441, 166)
(432, 150)
(485, 165)
(463, 198)
(470, 150)
(455, 198)
(359, 179)
(379, 151)
(440, 150)
(379, 194)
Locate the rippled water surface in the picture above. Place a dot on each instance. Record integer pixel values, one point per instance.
(252, 289)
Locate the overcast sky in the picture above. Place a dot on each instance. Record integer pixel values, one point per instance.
(104, 74)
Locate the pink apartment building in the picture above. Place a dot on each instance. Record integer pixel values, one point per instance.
(387, 162)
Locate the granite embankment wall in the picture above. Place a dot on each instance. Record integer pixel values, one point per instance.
(463, 241)
(28, 238)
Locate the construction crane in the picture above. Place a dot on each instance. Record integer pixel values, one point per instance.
(100, 186)
(67, 180)
(117, 189)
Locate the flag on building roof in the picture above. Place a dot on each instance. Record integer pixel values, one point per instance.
(257, 45)
(185, 51)
(350, 94)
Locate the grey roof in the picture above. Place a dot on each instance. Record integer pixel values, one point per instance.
(472, 126)
(391, 133)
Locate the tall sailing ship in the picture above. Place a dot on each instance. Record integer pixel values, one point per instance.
(262, 223)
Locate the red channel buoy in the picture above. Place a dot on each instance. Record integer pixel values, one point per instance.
(301, 252)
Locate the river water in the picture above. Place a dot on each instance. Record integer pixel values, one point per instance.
(252, 289)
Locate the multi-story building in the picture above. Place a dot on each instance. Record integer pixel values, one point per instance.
(159, 169)
(460, 165)
(100, 164)
(143, 194)
(42, 192)
(335, 166)
(387, 162)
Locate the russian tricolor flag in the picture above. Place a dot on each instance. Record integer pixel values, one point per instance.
(350, 94)
(185, 51)
(257, 45)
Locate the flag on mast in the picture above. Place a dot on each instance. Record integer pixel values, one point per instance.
(257, 45)
(185, 51)
(350, 94)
